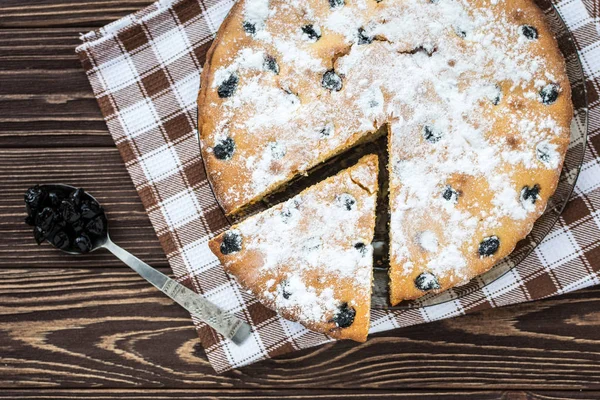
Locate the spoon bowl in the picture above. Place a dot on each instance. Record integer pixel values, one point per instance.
(99, 241)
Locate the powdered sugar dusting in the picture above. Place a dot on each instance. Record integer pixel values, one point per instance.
(315, 243)
(459, 87)
(256, 12)
(428, 241)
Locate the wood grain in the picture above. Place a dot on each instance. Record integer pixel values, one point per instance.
(100, 171)
(108, 328)
(165, 394)
(65, 13)
(45, 97)
(40, 49)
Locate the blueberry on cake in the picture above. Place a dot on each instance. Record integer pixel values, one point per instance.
(310, 258)
(474, 95)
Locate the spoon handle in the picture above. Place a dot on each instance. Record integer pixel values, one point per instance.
(226, 324)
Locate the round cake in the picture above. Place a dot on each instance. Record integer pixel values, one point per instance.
(310, 258)
(474, 95)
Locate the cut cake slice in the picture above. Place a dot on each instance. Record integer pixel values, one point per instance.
(310, 259)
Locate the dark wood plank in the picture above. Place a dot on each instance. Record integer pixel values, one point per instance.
(100, 171)
(45, 97)
(41, 49)
(108, 328)
(65, 13)
(164, 394)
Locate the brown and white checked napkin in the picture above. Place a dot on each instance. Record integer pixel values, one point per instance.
(145, 69)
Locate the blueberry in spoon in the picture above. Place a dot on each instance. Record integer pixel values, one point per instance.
(68, 218)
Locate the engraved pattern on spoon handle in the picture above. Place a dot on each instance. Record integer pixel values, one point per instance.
(226, 324)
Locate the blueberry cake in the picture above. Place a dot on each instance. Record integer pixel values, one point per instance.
(474, 95)
(310, 258)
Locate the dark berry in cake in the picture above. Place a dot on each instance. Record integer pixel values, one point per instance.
(271, 64)
(332, 81)
(429, 50)
(362, 248)
(529, 32)
(232, 243)
(426, 281)
(450, 194)
(363, 38)
(460, 32)
(542, 152)
(344, 316)
(346, 201)
(83, 243)
(489, 246)
(286, 214)
(495, 99)
(543, 155)
(530, 194)
(336, 3)
(549, 93)
(249, 27)
(310, 31)
(224, 149)
(326, 131)
(228, 87)
(431, 134)
(285, 289)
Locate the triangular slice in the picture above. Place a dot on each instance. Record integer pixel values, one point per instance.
(310, 259)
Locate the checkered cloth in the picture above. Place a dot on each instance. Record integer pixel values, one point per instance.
(144, 70)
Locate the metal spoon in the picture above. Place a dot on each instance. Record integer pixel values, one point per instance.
(226, 324)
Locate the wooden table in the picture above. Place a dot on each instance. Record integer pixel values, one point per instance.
(87, 326)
